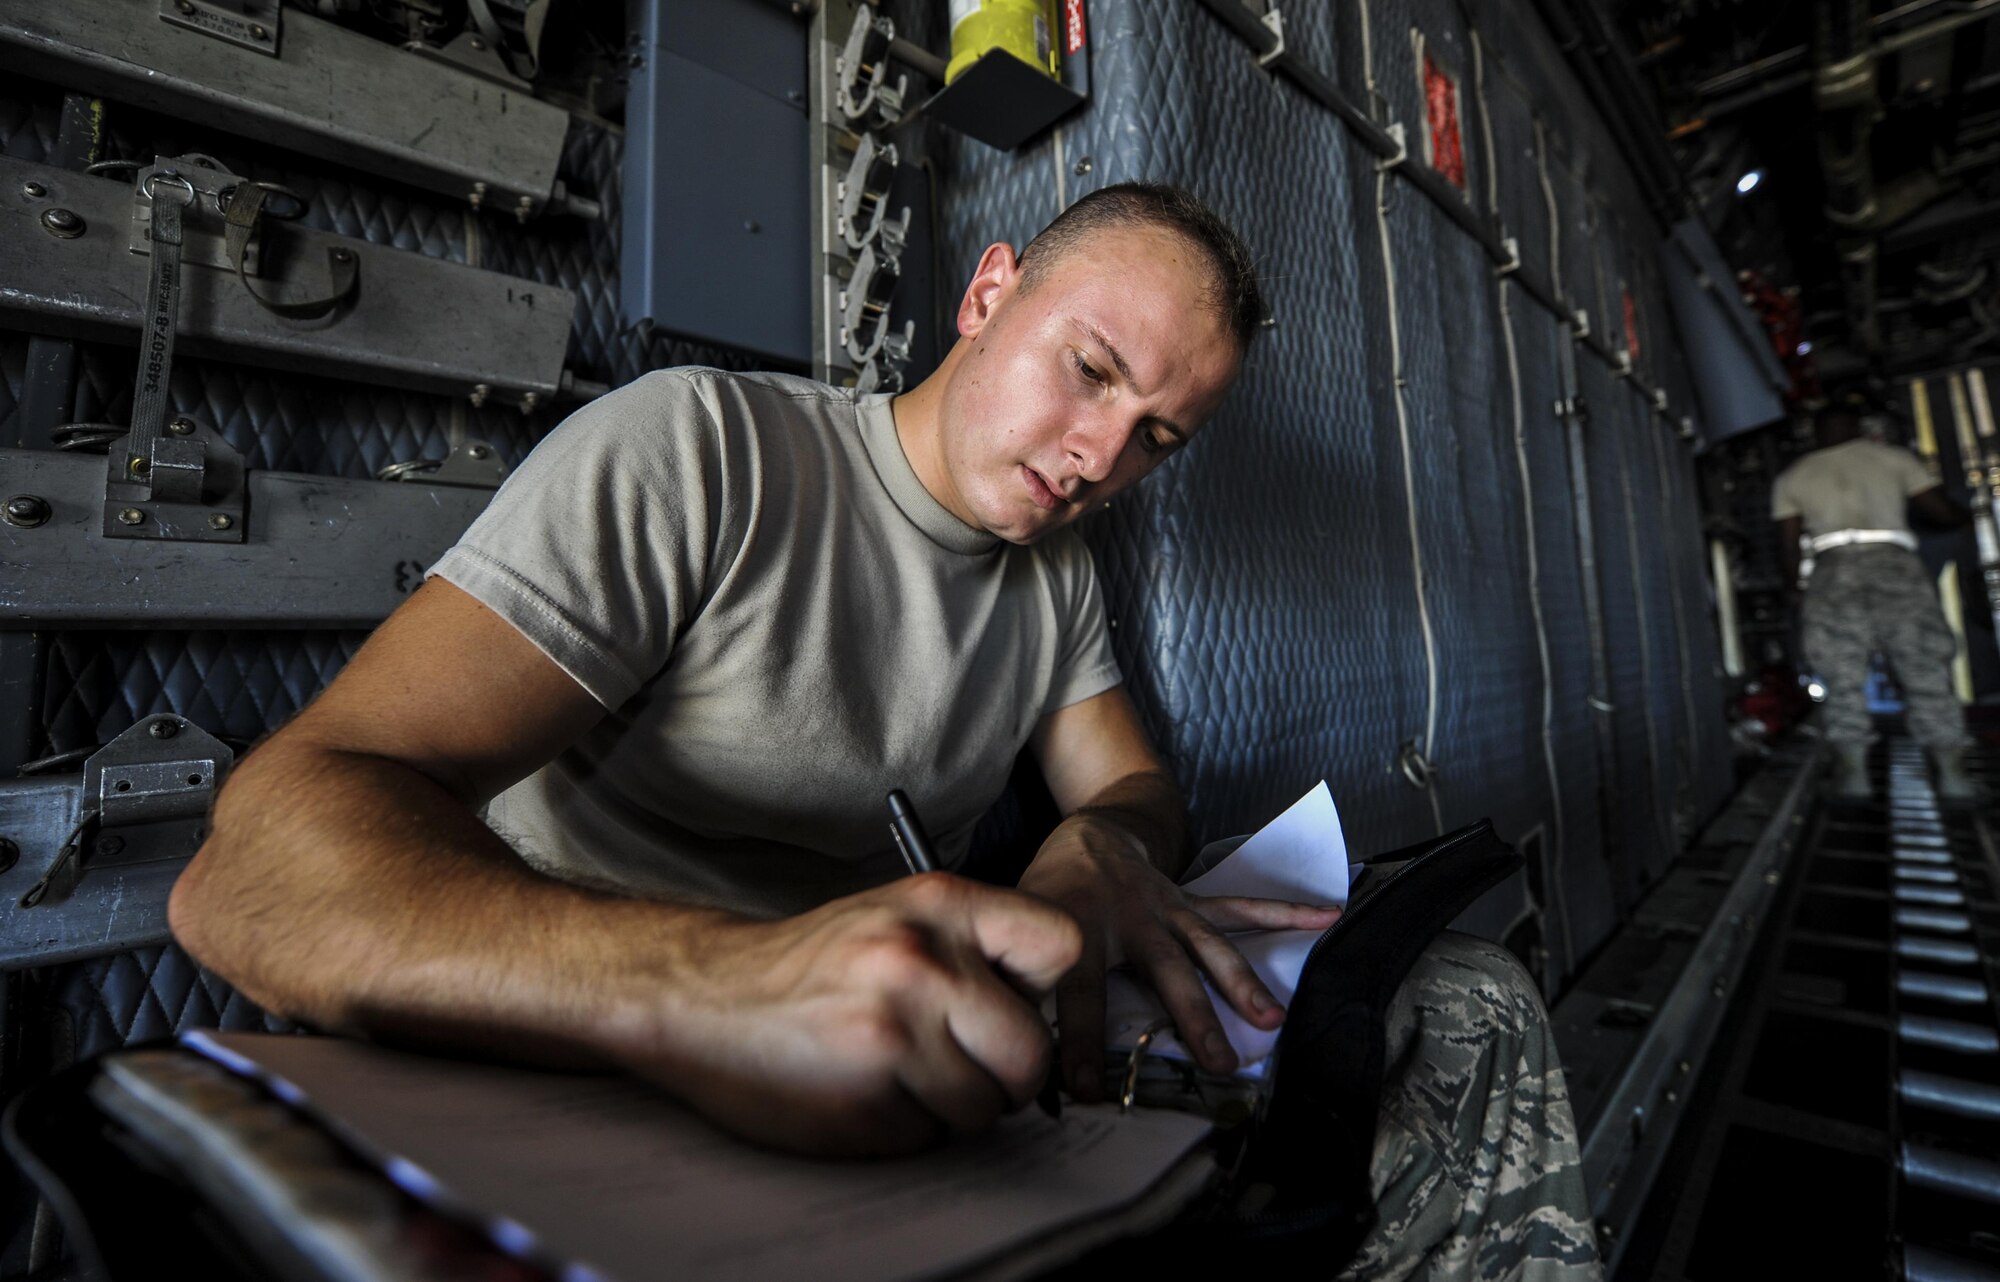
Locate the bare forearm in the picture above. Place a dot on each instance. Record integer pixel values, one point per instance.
(357, 894)
(1147, 807)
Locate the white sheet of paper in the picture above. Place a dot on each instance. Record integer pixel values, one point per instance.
(1300, 856)
(629, 1185)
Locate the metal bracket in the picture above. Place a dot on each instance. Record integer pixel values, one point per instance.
(1687, 428)
(1401, 139)
(146, 797)
(473, 53)
(1579, 323)
(472, 464)
(864, 310)
(1513, 263)
(1419, 769)
(190, 489)
(863, 197)
(861, 72)
(1660, 399)
(1621, 365)
(1274, 22)
(255, 25)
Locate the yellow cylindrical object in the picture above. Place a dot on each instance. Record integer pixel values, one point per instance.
(1018, 27)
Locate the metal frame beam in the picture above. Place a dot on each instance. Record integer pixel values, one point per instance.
(319, 552)
(330, 93)
(415, 322)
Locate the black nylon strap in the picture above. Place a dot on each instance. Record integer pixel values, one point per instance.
(246, 206)
(170, 196)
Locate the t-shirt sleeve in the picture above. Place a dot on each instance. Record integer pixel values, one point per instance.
(598, 548)
(1085, 665)
(1915, 476)
(1784, 496)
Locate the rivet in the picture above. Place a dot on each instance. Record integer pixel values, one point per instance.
(62, 223)
(477, 196)
(480, 392)
(27, 510)
(181, 427)
(1083, 166)
(138, 467)
(258, 32)
(478, 451)
(342, 255)
(131, 516)
(34, 191)
(110, 845)
(220, 521)
(478, 44)
(185, 6)
(529, 402)
(164, 728)
(752, 226)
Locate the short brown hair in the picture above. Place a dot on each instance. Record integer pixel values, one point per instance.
(1233, 281)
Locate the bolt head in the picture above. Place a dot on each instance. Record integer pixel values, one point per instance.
(342, 255)
(258, 32)
(181, 427)
(479, 44)
(63, 223)
(220, 520)
(185, 6)
(1082, 167)
(164, 728)
(110, 845)
(478, 451)
(27, 510)
(34, 191)
(131, 516)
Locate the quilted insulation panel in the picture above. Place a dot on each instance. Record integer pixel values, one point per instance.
(1274, 587)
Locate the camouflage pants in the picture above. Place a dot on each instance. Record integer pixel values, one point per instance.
(1477, 1170)
(1863, 599)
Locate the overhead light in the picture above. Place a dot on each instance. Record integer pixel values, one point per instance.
(1748, 182)
(1805, 347)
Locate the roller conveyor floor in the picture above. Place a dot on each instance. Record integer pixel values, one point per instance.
(1848, 1122)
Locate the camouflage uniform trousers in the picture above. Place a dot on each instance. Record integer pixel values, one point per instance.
(1880, 597)
(1477, 1170)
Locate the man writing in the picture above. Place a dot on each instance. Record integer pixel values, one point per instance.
(682, 658)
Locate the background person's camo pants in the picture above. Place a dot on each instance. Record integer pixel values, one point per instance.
(1880, 597)
(1477, 1172)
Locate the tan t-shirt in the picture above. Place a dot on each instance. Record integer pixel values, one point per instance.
(1856, 485)
(782, 624)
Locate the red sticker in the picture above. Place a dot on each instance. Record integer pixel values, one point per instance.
(1631, 326)
(1441, 105)
(1073, 36)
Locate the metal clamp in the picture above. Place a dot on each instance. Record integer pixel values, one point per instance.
(473, 464)
(1400, 137)
(1579, 323)
(861, 71)
(864, 310)
(1274, 22)
(1419, 769)
(1512, 248)
(863, 196)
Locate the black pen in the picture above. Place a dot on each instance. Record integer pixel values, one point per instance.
(915, 843)
(908, 830)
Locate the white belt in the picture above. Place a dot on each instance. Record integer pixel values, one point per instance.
(1848, 538)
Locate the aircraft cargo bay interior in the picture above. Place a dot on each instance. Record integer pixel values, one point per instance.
(999, 639)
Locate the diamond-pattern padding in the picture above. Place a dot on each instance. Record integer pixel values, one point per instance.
(1264, 587)
(146, 994)
(30, 115)
(241, 684)
(295, 423)
(13, 376)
